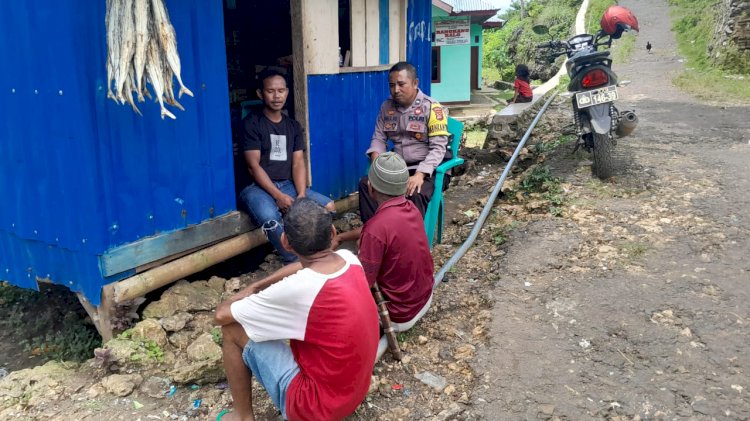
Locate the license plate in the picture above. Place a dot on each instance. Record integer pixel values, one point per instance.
(597, 96)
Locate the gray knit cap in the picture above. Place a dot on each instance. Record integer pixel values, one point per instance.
(388, 174)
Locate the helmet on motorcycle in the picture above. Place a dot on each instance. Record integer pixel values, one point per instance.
(616, 20)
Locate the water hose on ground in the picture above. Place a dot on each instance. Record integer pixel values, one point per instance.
(488, 206)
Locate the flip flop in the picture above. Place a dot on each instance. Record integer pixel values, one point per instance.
(222, 413)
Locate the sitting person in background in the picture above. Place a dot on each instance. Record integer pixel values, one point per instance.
(324, 309)
(521, 85)
(274, 152)
(418, 127)
(393, 245)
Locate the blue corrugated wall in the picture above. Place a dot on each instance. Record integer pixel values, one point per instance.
(80, 174)
(342, 110)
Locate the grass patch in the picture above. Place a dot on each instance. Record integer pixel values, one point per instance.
(634, 249)
(475, 138)
(545, 147)
(693, 24)
(541, 181)
(623, 48)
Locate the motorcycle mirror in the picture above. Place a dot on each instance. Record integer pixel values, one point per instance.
(540, 29)
(624, 83)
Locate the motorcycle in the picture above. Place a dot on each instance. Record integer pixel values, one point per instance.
(593, 87)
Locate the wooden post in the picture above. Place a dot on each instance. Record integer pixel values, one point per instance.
(385, 321)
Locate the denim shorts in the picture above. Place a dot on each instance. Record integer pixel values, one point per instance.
(273, 364)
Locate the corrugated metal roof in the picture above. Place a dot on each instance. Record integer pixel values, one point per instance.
(470, 5)
(80, 174)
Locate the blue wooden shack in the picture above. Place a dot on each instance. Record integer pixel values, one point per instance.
(95, 197)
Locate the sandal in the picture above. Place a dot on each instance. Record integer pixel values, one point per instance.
(222, 413)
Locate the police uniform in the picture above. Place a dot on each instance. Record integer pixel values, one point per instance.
(419, 134)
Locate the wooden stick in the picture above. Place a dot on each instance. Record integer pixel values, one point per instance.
(385, 320)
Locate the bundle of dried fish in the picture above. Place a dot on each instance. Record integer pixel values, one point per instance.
(141, 48)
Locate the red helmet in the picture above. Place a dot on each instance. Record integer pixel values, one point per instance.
(617, 19)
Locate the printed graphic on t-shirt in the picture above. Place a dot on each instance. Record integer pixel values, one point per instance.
(278, 147)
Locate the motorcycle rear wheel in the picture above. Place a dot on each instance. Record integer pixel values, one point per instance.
(603, 161)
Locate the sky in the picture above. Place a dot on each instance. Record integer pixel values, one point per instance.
(500, 3)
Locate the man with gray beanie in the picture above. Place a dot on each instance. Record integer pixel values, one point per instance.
(393, 245)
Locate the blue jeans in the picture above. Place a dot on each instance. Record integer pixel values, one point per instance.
(273, 364)
(265, 212)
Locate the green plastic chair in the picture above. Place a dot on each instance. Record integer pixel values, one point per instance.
(433, 218)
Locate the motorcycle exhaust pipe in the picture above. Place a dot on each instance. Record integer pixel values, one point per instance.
(627, 123)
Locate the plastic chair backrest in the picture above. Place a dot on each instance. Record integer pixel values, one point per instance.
(456, 128)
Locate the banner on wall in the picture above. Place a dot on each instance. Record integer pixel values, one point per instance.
(452, 32)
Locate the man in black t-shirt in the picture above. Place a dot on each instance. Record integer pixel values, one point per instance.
(274, 152)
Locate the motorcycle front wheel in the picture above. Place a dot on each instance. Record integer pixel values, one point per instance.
(603, 161)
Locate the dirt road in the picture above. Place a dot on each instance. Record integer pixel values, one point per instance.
(636, 303)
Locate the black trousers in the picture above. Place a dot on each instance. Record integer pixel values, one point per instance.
(368, 206)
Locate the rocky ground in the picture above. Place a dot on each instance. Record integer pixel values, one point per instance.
(622, 299)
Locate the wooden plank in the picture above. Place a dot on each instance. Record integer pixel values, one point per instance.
(320, 35)
(151, 249)
(365, 69)
(372, 32)
(357, 35)
(300, 79)
(105, 312)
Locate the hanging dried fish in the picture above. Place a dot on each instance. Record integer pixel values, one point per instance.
(141, 14)
(155, 72)
(168, 42)
(141, 48)
(127, 49)
(112, 21)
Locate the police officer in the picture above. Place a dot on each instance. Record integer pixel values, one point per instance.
(418, 127)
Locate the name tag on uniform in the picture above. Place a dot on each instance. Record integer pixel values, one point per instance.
(278, 147)
(415, 126)
(418, 118)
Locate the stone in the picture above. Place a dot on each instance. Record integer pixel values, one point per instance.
(155, 387)
(149, 330)
(121, 384)
(204, 348)
(181, 340)
(216, 283)
(202, 322)
(95, 391)
(547, 409)
(201, 372)
(464, 352)
(176, 322)
(435, 381)
(185, 296)
(232, 285)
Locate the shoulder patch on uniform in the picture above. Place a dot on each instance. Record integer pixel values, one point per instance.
(437, 124)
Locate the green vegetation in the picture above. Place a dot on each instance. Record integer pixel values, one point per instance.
(541, 180)
(475, 138)
(216, 335)
(514, 42)
(552, 145)
(594, 14)
(634, 249)
(51, 323)
(694, 22)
